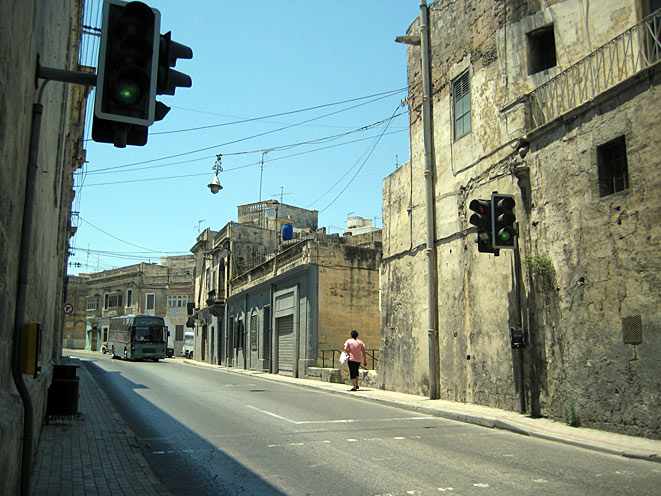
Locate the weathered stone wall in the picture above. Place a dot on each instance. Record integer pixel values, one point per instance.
(605, 251)
(348, 294)
(75, 325)
(27, 29)
(476, 298)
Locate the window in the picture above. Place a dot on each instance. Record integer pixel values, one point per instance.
(612, 165)
(150, 301)
(92, 303)
(541, 50)
(179, 333)
(129, 297)
(177, 301)
(113, 300)
(461, 97)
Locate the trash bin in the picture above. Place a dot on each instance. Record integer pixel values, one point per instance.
(63, 392)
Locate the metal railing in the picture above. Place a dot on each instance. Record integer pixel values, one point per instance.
(629, 53)
(331, 358)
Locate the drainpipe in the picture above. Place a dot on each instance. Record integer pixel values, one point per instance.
(21, 292)
(432, 277)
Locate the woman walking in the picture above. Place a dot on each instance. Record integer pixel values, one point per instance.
(354, 347)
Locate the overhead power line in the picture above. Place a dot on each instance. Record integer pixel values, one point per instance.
(270, 149)
(225, 169)
(252, 119)
(212, 147)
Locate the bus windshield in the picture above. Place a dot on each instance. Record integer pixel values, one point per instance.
(148, 329)
(152, 333)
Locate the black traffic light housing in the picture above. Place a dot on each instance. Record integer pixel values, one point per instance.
(482, 220)
(134, 67)
(168, 79)
(127, 73)
(502, 220)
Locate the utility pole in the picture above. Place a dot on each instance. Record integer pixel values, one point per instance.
(422, 40)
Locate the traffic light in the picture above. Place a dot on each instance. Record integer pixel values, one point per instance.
(127, 74)
(482, 220)
(503, 219)
(168, 79)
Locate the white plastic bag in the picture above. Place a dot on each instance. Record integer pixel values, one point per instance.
(344, 358)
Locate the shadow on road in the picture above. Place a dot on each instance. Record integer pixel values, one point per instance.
(200, 468)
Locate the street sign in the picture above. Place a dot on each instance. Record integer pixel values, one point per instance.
(68, 308)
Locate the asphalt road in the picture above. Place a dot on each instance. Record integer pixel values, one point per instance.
(213, 432)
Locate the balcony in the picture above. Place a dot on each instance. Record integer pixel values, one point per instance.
(609, 65)
(215, 298)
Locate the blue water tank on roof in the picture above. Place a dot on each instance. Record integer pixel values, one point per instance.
(287, 232)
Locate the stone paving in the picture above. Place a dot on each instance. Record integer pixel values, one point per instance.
(94, 453)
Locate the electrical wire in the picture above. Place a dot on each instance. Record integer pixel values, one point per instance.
(249, 137)
(252, 119)
(115, 237)
(262, 150)
(364, 162)
(225, 169)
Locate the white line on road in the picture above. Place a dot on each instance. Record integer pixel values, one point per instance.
(266, 412)
(337, 421)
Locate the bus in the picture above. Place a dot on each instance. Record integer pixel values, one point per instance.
(137, 337)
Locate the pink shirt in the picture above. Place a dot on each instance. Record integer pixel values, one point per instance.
(355, 347)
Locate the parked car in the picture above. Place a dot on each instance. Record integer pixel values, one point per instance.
(189, 344)
(169, 351)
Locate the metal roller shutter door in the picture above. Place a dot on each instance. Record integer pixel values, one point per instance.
(286, 345)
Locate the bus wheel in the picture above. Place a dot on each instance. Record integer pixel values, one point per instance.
(156, 359)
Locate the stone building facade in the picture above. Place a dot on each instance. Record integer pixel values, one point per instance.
(163, 290)
(555, 102)
(74, 334)
(220, 256)
(296, 310)
(50, 31)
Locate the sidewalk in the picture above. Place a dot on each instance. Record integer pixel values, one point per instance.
(96, 453)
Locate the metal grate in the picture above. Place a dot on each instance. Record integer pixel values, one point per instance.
(632, 330)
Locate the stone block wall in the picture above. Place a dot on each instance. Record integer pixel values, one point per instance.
(348, 294)
(576, 353)
(49, 30)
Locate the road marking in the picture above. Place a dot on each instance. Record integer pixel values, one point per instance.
(445, 489)
(336, 421)
(481, 484)
(266, 412)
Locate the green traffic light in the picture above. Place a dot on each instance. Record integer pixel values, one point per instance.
(128, 92)
(505, 235)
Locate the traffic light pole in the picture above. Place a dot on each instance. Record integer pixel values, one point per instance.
(519, 307)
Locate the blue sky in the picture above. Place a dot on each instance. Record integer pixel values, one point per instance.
(263, 63)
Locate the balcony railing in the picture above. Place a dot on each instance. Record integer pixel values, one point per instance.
(624, 56)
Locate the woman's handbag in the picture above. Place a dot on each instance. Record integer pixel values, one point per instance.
(344, 358)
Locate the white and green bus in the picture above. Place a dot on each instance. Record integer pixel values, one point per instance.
(137, 337)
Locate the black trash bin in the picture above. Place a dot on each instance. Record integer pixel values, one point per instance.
(63, 392)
